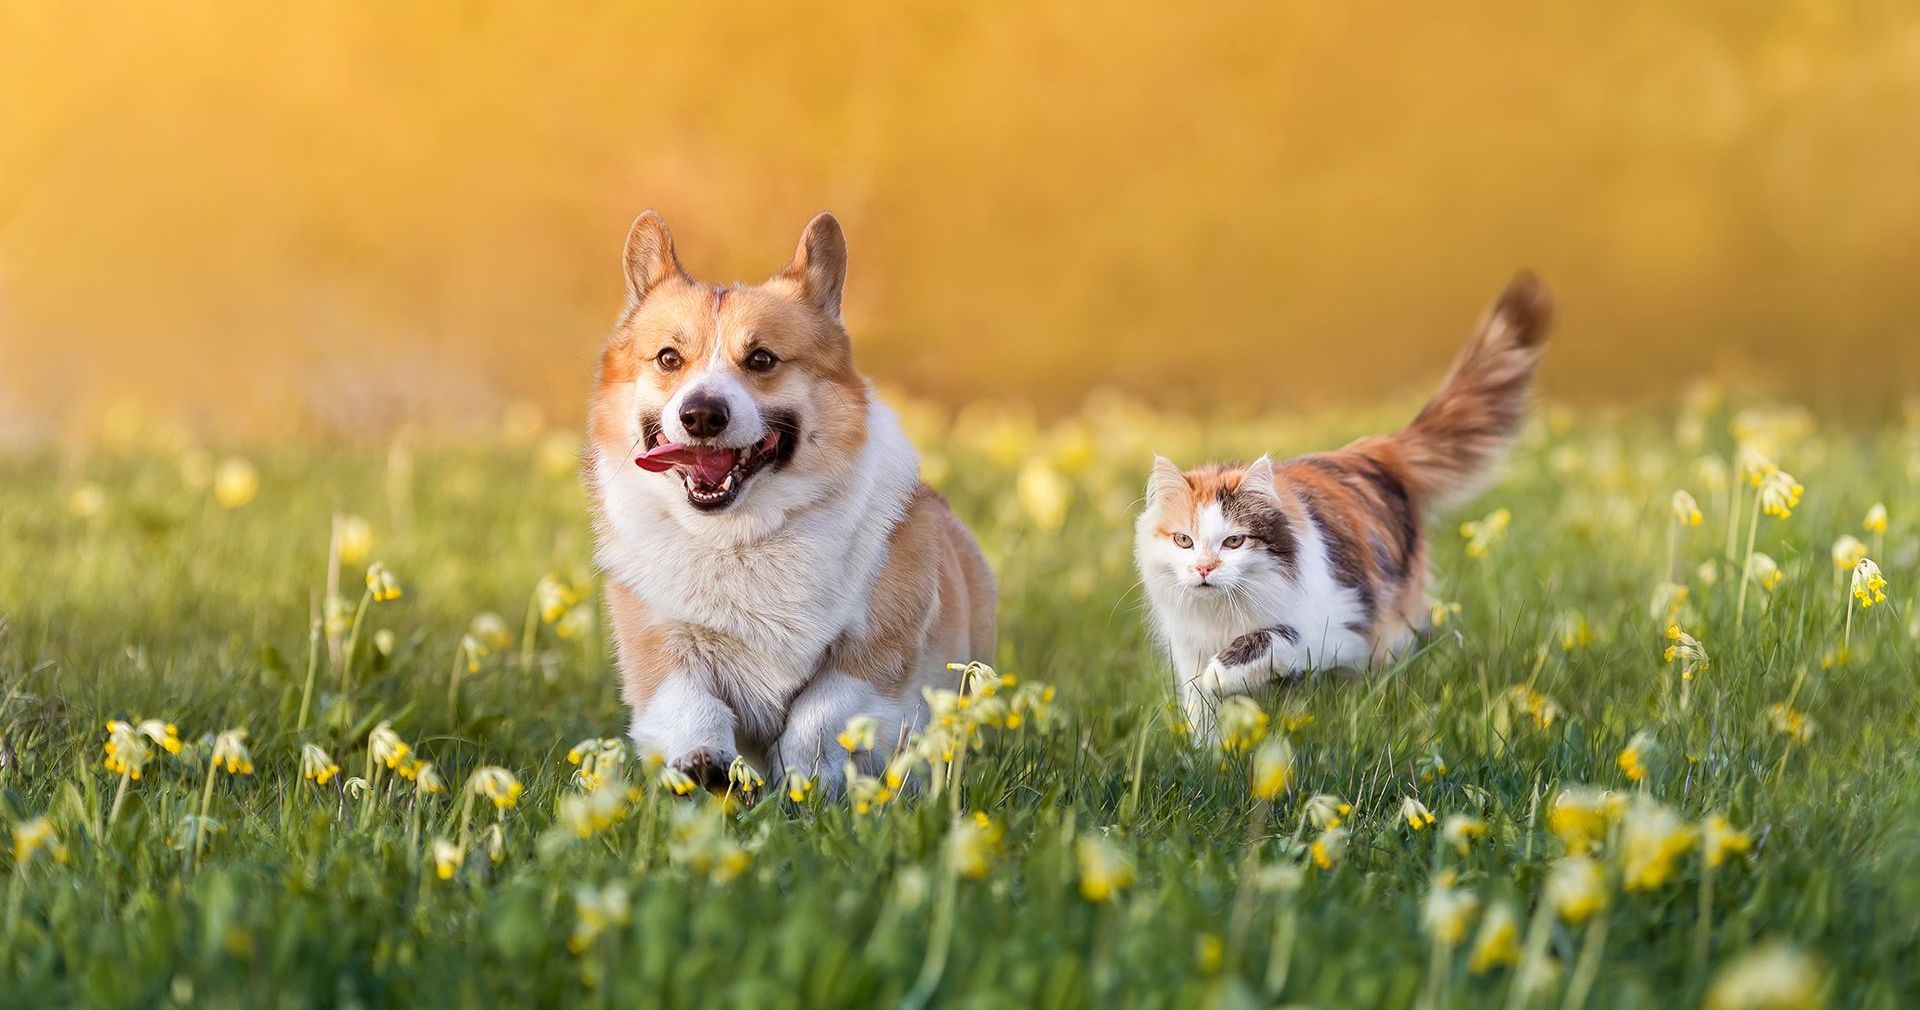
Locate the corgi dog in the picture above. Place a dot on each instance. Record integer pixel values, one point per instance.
(774, 564)
(1270, 570)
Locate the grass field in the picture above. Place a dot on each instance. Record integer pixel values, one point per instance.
(1116, 865)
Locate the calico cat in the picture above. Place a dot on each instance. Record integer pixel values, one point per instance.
(1270, 570)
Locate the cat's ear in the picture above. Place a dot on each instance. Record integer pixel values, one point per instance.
(1258, 480)
(1165, 482)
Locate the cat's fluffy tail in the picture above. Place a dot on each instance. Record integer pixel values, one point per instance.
(1447, 454)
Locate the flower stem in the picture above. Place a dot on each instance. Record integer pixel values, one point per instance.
(939, 939)
(313, 666)
(353, 646)
(1753, 530)
(1588, 966)
(529, 631)
(119, 795)
(1703, 922)
(453, 687)
(206, 804)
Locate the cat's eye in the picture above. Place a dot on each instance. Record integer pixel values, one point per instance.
(761, 360)
(668, 360)
(1182, 541)
(1233, 542)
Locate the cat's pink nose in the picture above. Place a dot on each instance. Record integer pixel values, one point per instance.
(1206, 568)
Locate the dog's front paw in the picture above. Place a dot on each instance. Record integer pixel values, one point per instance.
(706, 766)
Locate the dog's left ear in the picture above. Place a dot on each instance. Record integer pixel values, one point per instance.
(819, 267)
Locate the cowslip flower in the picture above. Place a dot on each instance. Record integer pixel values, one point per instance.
(859, 733)
(866, 792)
(1652, 840)
(597, 910)
(598, 758)
(1847, 552)
(1272, 768)
(1328, 849)
(1779, 493)
(799, 785)
(1576, 889)
(1764, 571)
(34, 836)
(743, 776)
(316, 766)
(1498, 942)
(1440, 613)
(1687, 651)
(554, 597)
(1540, 708)
(382, 583)
(427, 780)
(1686, 511)
(1415, 813)
(585, 814)
(386, 747)
(230, 752)
(1668, 600)
(1105, 870)
(352, 539)
(1483, 534)
(1720, 840)
(1790, 722)
(235, 483)
(1326, 810)
(497, 784)
(677, 782)
(1460, 830)
(1448, 911)
(1581, 815)
(1241, 723)
(1869, 586)
(1633, 757)
(973, 844)
(447, 858)
(1876, 521)
(1772, 977)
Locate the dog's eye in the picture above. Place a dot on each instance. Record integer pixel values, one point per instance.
(1233, 541)
(761, 360)
(669, 360)
(1182, 541)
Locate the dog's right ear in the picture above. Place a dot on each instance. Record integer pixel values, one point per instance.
(649, 256)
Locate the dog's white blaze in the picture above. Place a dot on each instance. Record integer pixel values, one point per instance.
(773, 603)
(745, 423)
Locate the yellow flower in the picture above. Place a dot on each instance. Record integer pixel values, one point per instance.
(1580, 816)
(743, 776)
(1772, 977)
(866, 792)
(1869, 586)
(230, 752)
(1449, 910)
(1482, 535)
(1669, 599)
(1044, 494)
(29, 837)
(676, 781)
(353, 539)
(1326, 810)
(1272, 768)
(447, 858)
(1242, 724)
(1720, 840)
(1572, 631)
(554, 597)
(1764, 571)
(497, 784)
(1415, 813)
(596, 810)
(235, 483)
(1876, 521)
(1790, 722)
(382, 583)
(1576, 889)
(1105, 870)
(491, 630)
(1847, 552)
(1498, 942)
(316, 766)
(1633, 757)
(1440, 613)
(129, 746)
(1779, 493)
(1686, 511)
(1329, 848)
(426, 779)
(973, 844)
(386, 746)
(1687, 650)
(858, 734)
(799, 785)
(598, 758)
(596, 911)
(1652, 840)
(1460, 830)
(1544, 711)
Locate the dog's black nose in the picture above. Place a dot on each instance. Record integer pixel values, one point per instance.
(704, 416)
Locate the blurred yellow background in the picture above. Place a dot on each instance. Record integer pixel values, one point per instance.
(337, 217)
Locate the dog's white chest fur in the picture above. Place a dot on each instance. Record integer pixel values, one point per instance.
(765, 588)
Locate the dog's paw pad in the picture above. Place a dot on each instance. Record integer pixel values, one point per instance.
(705, 766)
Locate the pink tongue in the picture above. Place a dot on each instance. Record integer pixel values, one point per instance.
(710, 465)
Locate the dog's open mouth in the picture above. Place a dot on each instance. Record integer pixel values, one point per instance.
(714, 474)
